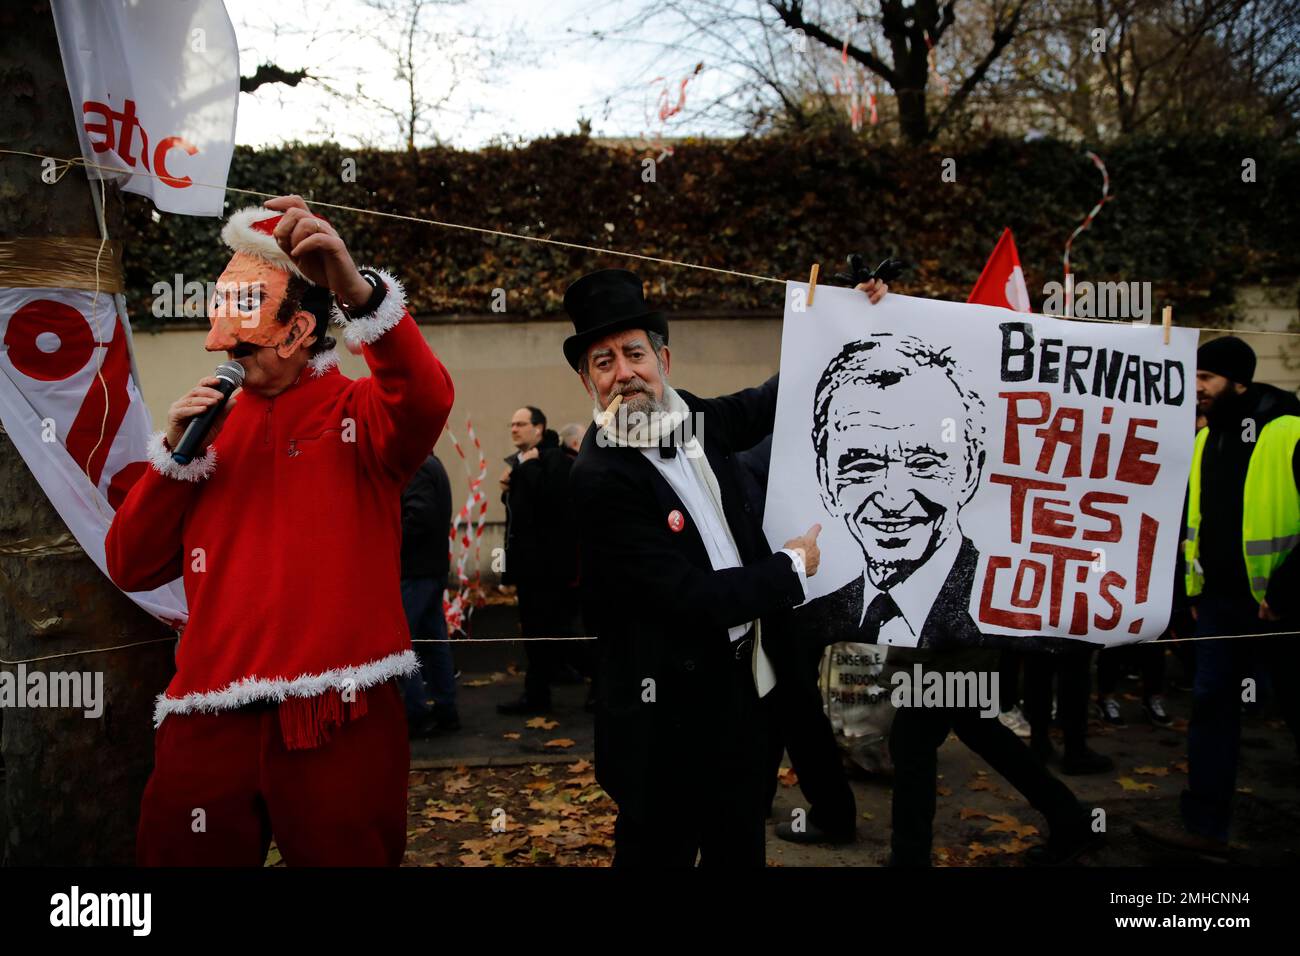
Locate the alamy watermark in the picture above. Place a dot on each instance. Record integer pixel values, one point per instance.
(950, 690)
(75, 690)
(179, 299)
(1098, 300)
(653, 429)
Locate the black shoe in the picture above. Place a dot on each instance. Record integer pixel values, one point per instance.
(524, 705)
(1110, 712)
(1085, 760)
(1065, 847)
(812, 833)
(1154, 706)
(422, 726)
(1177, 838)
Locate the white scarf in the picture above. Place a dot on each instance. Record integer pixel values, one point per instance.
(646, 431)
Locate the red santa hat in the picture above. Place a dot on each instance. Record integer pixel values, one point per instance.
(250, 231)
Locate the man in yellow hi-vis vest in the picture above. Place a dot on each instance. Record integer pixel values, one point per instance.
(1241, 575)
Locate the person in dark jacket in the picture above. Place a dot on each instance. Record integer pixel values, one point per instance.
(1241, 572)
(677, 584)
(426, 521)
(541, 554)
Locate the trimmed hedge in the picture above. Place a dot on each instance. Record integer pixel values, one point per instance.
(1181, 217)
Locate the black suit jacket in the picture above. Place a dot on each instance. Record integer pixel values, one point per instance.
(834, 617)
(661, 612)
(950, 638)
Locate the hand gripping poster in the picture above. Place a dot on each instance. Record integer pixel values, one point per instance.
(982, 477)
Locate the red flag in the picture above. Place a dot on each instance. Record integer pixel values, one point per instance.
(1003, 282)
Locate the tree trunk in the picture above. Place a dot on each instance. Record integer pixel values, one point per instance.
(912, 69)
(71, 785)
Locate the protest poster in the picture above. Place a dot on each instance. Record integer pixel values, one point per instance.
(980, 477)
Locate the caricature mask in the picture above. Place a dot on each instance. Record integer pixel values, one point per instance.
(261, 290)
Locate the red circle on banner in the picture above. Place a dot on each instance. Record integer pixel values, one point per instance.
(76, 341)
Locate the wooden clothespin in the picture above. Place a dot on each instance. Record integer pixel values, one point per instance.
(812, 282)
(1167, 320)
(607, 415)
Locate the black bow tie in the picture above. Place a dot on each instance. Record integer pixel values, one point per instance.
(668, 443)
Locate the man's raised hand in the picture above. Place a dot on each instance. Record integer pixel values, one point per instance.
(317, 250)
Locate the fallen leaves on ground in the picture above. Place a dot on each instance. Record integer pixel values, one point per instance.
(541, 815)
(495, 677)
(979, 850)
(1152, 771)
(511, 736)
(1006, 823)
(787, 776)
(560, 742)
(541, 723)
(458, 784)
(1128, 783)
(1002, 822)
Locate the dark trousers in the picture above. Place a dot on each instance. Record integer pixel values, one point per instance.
(705, 791)
(1009, 664)
(914, 742)
(547, 611)
(1214, 736)
(719, 833)
(1071, 670)
(436, 681)
(798, 724)
(1149, 659)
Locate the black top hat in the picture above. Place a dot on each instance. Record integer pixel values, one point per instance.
(604, 302)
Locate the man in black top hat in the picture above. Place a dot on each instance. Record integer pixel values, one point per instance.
(676, 579)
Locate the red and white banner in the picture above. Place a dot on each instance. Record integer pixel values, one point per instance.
(73, 411)
(1002, 282)
(154, 86)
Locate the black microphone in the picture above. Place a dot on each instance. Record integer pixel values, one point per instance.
(230, 375)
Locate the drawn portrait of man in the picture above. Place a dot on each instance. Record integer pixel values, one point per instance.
(899, 439)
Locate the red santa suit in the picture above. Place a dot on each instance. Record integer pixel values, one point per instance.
(283, 714)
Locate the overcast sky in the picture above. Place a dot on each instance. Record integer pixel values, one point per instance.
(545, 72)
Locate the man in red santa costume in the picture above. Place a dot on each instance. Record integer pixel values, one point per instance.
(284, 718)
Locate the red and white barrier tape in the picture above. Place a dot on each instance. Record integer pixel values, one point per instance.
(1087, 221)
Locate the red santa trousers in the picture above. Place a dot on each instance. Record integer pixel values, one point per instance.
(340, 804)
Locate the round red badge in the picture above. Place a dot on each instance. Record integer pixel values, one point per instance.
(675, 521)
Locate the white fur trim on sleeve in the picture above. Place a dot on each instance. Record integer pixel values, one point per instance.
(370, 329)
(238, 233)
(322, 363)
(161, 459)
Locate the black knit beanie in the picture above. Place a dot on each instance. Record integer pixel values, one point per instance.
(1228, 356)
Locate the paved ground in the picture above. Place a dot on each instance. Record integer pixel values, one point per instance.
(981, 820)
